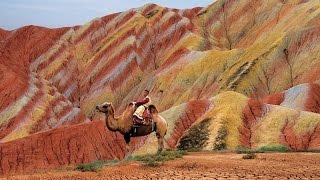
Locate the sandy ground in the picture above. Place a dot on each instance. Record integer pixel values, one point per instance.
(204, 166)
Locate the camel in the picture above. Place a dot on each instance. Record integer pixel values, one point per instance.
(124, 123)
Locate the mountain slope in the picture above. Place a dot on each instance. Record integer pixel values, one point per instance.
(236, 73)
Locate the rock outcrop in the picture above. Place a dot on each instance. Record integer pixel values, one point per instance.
(67, 145)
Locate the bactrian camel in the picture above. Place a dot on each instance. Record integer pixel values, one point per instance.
(124, 123)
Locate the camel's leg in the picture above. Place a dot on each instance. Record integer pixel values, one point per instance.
(127, 139)
(160, 143)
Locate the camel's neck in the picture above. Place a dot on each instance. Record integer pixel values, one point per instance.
(111, 122)
(123, 124)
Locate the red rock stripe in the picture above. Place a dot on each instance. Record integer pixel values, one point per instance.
(166, 42)
(251, 113)
(161, 30)
(10, 90)
(63, 65)
(38, 126)
(94, 26)
(235, 16)
(312, 103)
(109, 31)
(151, 25)
(112, 63)
(301, 142)
(216, 15)
(81, 143)
(194, 110)
(170, 22)
(174, 57)
(71, 78)
(265, 27)
(275, 99)
(191, 13)
(148, 9)
(124, 75)
(14, 122)
(47, 62)
(306, 38)
(108, 50)
(158, 17)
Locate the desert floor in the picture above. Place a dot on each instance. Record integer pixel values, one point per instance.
(203, 166)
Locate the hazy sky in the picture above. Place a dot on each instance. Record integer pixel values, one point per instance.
(57, 13)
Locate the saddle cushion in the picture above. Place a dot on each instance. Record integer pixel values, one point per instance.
(145, 118)
(146, 114)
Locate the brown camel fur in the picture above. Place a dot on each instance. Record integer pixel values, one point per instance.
(124, 123)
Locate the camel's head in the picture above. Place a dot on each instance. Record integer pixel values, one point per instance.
(105, 108)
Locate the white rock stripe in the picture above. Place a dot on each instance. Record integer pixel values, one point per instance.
(70, 90)
(111, 25)
(40, 103)
(46, 56)
(68, 117)
(168, 32)
(63, 76)
(180, 63)
(165, 18)
(184, 21)
(83, 29)
(104, 60)
(116, 71)
(295, 97)
(157, 25)
(180, 12)
(14, 109)
(141, 37)
(58, 108)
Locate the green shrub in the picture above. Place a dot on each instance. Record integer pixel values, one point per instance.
(263, 149)
(273, 148)
(249, 156)
(94, 166)
(158, 159)
(220, 141)
(195, 137)
(151, 14)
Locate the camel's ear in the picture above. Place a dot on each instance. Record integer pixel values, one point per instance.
(153, 109)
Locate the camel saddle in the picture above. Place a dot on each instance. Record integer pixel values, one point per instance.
(146, 118)
(143, 130)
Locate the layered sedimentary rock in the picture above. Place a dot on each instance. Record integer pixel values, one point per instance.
(253, 123)
(81, 143)
(247, 72)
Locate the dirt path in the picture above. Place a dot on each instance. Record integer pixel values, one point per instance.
(205, 166)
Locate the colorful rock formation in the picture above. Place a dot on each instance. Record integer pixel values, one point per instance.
(245, 71)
